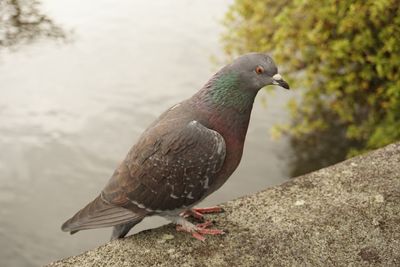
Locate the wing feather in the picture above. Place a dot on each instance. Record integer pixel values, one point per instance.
(169, 170)
(99, 214)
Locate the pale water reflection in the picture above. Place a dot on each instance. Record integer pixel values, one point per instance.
(69, 113)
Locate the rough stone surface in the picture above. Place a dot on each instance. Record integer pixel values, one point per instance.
(344, 215)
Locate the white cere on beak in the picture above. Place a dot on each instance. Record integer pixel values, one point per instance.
(277, 77)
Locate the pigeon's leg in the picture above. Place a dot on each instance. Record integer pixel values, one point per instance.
(199, 212)
(197, 231)
(122, 230)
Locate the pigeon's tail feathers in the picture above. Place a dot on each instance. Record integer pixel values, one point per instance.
(99, 214)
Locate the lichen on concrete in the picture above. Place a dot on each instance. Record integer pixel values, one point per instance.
(344, 215)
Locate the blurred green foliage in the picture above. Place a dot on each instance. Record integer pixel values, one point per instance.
(344, 56)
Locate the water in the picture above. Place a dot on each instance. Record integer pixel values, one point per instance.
(69, 112)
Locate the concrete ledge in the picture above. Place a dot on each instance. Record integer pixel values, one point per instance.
(346, 214)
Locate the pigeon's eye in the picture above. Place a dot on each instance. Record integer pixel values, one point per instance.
(259, 70)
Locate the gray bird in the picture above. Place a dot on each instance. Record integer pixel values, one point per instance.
(185, 155)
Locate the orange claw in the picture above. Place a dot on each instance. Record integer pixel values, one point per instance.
(205, 231)
(200, 230)
(198, 236)
(197, 213)
(215, 209)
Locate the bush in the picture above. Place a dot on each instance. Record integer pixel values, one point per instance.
(342, 55)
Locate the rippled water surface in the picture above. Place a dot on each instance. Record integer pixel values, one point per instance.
(70, 111)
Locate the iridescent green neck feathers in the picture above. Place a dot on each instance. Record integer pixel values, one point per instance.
(225, 90)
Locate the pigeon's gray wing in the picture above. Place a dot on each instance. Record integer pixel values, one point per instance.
(99, 213)
(168, 169)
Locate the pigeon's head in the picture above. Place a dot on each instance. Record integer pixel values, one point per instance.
(256, 70)
(236, 85)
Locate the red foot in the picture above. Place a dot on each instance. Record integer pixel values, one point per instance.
(200, 230)
(198, 236)
(215, 209)
(204, 224)
(198, 212)
(211, 232)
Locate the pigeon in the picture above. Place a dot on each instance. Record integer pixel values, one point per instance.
(184, 155)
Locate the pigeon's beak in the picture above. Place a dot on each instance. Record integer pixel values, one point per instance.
(277, 80)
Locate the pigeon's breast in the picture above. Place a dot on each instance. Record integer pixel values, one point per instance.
(234, 133)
